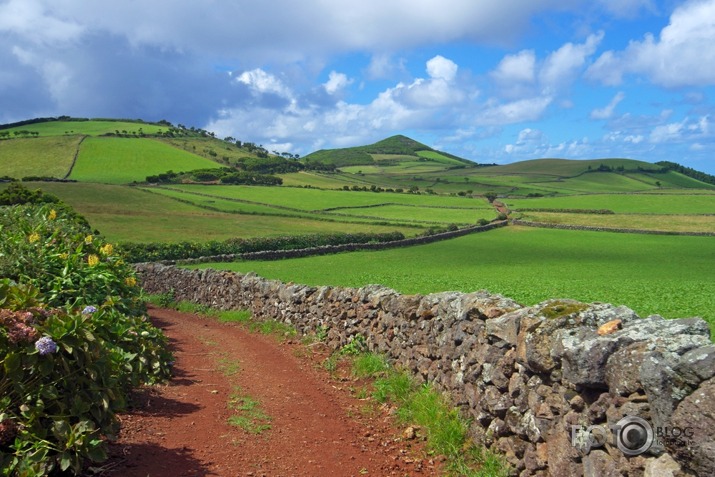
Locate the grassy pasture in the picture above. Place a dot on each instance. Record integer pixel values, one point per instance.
(123, 213)
(683, 203)
(89, 128)
(436, 156)
(669, 275)
(316, 199)
(113, 160)
(428, 214)
(234, 206)
(669, 223)
(40, 156)
(564, 167)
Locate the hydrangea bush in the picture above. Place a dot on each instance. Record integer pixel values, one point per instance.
(74, 340)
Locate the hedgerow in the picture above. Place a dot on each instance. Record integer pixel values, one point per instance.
(74, 341)
(156, 251)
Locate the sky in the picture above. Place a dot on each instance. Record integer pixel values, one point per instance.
(491, 81)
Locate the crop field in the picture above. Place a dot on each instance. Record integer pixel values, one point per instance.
(41, 156)
(113, 160)
(668, 275)
(89, 128)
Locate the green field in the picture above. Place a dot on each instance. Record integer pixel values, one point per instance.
(317, 199)
(668, 275)
(113, 160)
(41, 156)
(89, 128)
(435, 215)
(123, 213)
(682, 203)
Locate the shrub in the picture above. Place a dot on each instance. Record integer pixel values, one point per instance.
(73, 342)
(148, 252)
(47, 247)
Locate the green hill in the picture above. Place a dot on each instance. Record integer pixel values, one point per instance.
(122, 151)
(396, 149)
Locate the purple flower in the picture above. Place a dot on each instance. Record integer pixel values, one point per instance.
(88, 310)
(45, 345)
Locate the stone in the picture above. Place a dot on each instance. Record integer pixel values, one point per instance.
(696, 416)
(505, 328)
(522, 424)
(623, 369)
(496, 402)
(663, 466)
(562, 456)
(610, 327)
(598, 463)
(697, 365)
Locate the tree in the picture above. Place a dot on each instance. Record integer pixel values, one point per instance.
(490, 196)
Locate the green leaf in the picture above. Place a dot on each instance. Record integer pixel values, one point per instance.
(65, 461)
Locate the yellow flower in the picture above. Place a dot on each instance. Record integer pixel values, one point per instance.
(130, 281)
(52, 215)
(88, 239)
(92, 260)
(64, 256)
(107, 249)
(34, 237)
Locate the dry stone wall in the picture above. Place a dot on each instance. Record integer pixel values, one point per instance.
(561, 388)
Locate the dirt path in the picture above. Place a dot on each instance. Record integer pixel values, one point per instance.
(317, 428)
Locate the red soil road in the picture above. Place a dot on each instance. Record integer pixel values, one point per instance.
(318, 428)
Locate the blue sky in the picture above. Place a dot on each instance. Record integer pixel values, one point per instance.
(489, 81)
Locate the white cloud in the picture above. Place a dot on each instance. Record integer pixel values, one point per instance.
(519, 67)
(261, 82)
(336, 82)
(439, 90)
(513, 112)
(37, 23)
(565, 64)
(683, 54)
(667, 133)
(607, 111)
(440, 67)
(529, 135)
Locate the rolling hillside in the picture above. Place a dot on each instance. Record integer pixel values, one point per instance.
(394, 184)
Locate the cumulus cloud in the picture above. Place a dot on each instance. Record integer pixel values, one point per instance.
(682, 55)
(565, 64)
(336, 82)
(519, 67)
(607, 111)
(263, 82)
(440, 67)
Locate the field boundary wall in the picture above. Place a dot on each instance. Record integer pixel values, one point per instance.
(550, 387)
